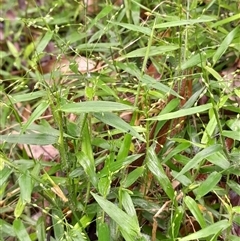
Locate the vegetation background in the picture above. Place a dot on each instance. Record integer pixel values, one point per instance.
(120, 120)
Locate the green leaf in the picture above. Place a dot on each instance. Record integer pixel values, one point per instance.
(128, 205)
(153, 51)
(16, 98)
(6, 228)
(182, 112)
(95, 106)
(104, 185)
(57, 221)
(104, 12)
(202, 19)
(232, 134)
(117, 122)
(226, 20)
(151, 82)
(133, 176)
(234, 186)
(44, 41)
(157, 170)
(208, 231)
(13, 50)
(219, 159)
(176, 222)
(197, 59)
(34, 116)
(19, 207)
(208, 185)
(88, 167)
(209, 130)
(25, 183)
(199, 157)
(225, 44)
(103, 232)
(125, 148)
(129, 225)
(214, 73)
(40, 229)
(31, 139)
(4, 174)
(118, 165)
(20, 230)
(194, 209)
(133, 27)
(132, 69)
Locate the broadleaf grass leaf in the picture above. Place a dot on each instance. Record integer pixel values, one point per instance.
(199, 157)
(133, 27)
(117, 122)
(157, 170)
(203, 19)
(225, 44)
(182, 112)
(20, 230)
(125, 222)
(30, 138)
(207, 185)
(194, 209)
(44, 41)
(208, 231)
(153, 51)
(94, 106)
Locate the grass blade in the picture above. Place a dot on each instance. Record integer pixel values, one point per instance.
(129, 225)
(194, 209)
(208, 185)
(199, 157)
(31, 139)
(153, 51)
(94, 106)
(156, 168)
(25, 183)
(20, 230)
(182, 112)
(208, 231)
(225, 44)
(117, 122)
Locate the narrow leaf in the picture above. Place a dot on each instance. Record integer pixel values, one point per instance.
(129, 225)
(199, 157)
(208, 231)
(117, 122)
(31, 139)
(103, 232)
(208, 185)
(235, 135)
(225, 44)
(20, 230)
(34, 116)
(182, 112)
(156, 168)
(194, 209)
(153, 51)
(95, 106)
(44, 41)
(202, 19)
(134, 27)
(88, 167)
(25, 183)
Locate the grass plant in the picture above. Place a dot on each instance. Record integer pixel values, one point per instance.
(119, 121)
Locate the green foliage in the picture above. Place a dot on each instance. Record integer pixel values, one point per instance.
(80, 158)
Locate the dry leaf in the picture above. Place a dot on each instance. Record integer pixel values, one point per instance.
(62, 64)
(48, 152)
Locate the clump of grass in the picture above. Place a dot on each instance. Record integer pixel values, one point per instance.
(135, 121)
